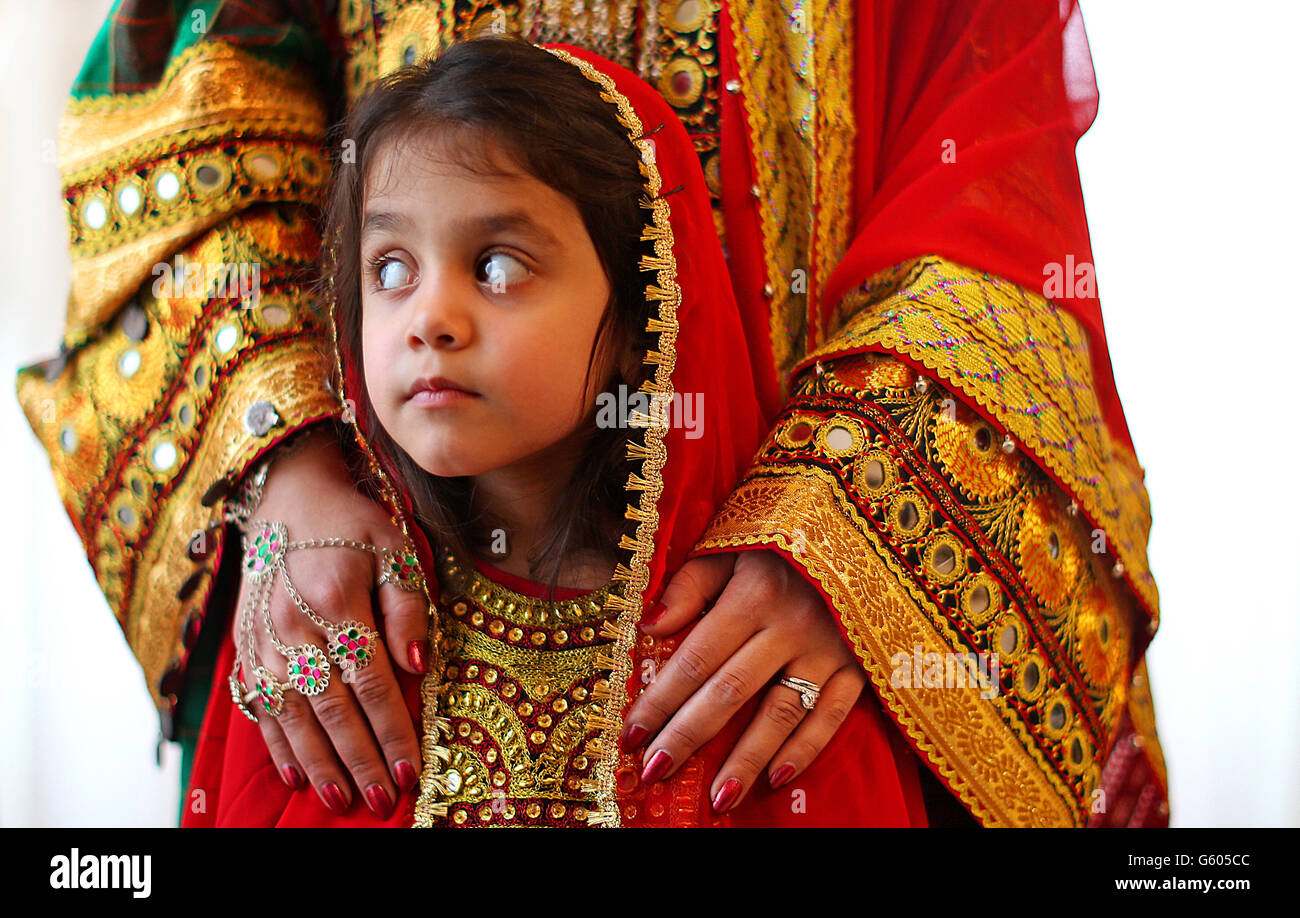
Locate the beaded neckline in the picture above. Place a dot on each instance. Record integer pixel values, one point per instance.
(465, 581)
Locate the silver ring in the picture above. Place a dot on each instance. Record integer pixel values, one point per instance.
(809, 692)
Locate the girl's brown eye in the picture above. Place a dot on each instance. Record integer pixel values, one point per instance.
(500, 270)
(393, 274)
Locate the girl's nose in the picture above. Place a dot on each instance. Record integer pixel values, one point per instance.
(439, 318)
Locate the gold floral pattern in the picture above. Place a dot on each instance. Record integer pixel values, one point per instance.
(155, 143)
(930, 539)
(798, 101)
(135, 454)
(1023, 362)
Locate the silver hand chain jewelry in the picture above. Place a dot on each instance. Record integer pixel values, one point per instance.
(351, 644)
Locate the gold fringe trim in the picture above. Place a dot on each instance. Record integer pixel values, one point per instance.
(610, 632)
(636, 513)
(655, 263)
(628, 543)
(656, 234)
(622, 573)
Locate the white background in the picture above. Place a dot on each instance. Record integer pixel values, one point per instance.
(1190, 178)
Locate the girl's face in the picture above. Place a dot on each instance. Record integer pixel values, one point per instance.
(481, 298)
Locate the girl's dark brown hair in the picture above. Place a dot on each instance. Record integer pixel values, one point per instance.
(550, 120)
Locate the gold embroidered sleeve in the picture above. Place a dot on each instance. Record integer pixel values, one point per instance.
(192, 342)
(996, 612)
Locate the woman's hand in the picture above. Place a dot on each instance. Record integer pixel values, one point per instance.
(766, 621)
(359, 725)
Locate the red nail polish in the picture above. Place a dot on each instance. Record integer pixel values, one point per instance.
(418, 655)
(633, 736)
(657, 611)
(379, 802)
(726, 796)
(406, 776)
(781, 775)
(290, 776)
(333, 797)
(657, 767)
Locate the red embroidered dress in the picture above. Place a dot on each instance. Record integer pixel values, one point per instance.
(939, 442)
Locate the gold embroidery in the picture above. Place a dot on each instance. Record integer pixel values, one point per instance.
(409, 35)
(134, 452)
(520, 609)
(1024, 361)
(964, 564)
(166, 134)
(206, 88)
(798, 103)
(536, 670)
(834, 137)
(289, 377)
(1001, 779)
(522, 712)
(970, 453)
(627, 597)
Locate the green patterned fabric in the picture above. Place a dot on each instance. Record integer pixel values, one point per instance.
(139, 37)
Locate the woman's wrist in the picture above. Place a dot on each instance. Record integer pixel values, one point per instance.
(306, 446)
(314, 454)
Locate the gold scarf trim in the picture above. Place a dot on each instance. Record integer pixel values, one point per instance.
(631, 580)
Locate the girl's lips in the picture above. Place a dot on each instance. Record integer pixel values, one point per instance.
(438, 391)
(439, 398)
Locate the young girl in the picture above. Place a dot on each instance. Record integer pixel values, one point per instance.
(520, 239)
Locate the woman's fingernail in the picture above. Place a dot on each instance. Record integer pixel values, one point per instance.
(333, 797)
(633, 736)
(726, 796)
(657, 767)
(290, 776)
(379, 802)
(418, 654)
(781, 775)
(657, 611)
(406, 776)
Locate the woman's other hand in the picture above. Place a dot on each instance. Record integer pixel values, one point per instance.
(766, 621)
